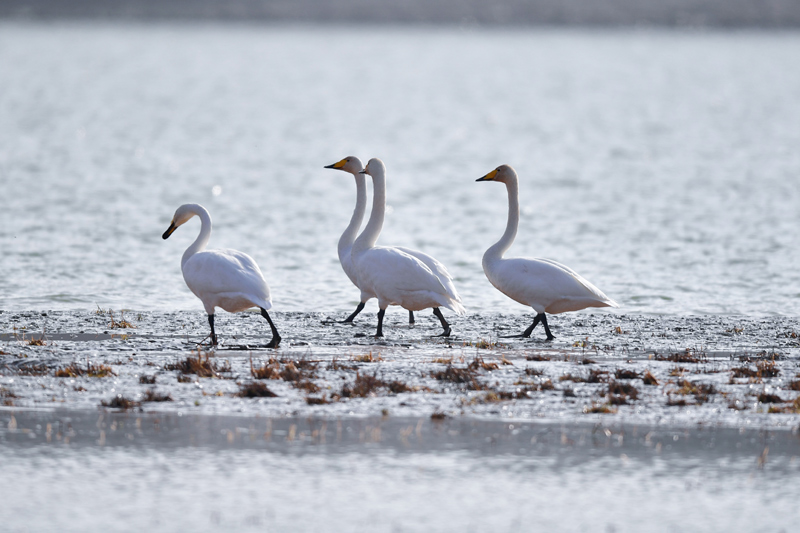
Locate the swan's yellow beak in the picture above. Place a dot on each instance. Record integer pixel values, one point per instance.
(488, 177)
(338, 165)
(172, 227)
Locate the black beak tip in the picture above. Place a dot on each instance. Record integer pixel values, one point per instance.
(329, 166)
(165, 236)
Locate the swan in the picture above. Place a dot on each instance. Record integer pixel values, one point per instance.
(221, 278)
(354, 166)
(399, 276)
(544, 285)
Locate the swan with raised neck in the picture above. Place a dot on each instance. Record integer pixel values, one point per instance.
(399, 276)
(544, 285)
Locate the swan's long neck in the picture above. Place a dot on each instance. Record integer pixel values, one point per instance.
(499, 248)
(201, 241)
(372, 231)
(349, 235)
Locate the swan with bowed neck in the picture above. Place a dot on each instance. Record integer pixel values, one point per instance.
(398, 276)
(544, 285)
(228, 279)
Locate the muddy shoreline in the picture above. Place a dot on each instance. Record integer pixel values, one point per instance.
(673, 371)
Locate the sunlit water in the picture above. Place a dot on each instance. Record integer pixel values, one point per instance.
(661, 166)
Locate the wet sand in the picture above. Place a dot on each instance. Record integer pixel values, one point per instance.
(674, 371)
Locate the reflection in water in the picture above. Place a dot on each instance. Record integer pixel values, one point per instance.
(144, 471)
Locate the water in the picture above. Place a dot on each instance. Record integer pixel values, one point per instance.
(660, 165)
(395, 474)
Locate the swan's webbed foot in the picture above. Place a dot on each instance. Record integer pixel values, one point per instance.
(349, 319)
(275, 342)
(411, 321)
(527, 333)
(445, 333)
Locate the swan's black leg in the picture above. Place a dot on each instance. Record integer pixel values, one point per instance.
(349, 320)
(276, 338)
(546, 327)
(527, 333)
(213, 334)
(445, 325)
(379, 333)
(411, 317)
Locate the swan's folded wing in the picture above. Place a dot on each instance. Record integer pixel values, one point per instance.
(225, 272)
(582, 281)
(437, 268)
(394, 268)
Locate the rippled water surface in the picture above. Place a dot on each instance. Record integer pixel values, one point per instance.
(661, 166)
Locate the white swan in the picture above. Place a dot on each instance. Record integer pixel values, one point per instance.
(398, 276)
(221, 278)
(354, 166)
(546, 286)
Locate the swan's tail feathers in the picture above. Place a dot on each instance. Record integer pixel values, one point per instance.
(611, 303)
(456, 307)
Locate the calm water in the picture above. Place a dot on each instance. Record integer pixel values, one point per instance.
(254, 474)
(662, 166)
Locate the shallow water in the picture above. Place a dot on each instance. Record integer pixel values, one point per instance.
(660, 165)
(216, 473)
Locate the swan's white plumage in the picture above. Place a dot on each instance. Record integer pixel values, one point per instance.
(228, 279)
(352, 165)
(398, 276)
(543, 284)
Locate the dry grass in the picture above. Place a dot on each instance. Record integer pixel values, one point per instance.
(603, 408)
(483, 344)
(316, 401)
(255, 389)
(367, 358)
(92, 371)
(794, 385)
(767, 369)
(649, 379)
(792, 408)
(530, 371)
(570, 377)
(202, 366)
(623, 389)
(36, 342)
(119, 324)
(120, 402)
(536, 357)
(622, 373)
(700, 391)
(147, 380)
(764, 397)
(687, 356)
(152, 396)
(364, 386)
(677, 371)
(32, 369)
(597, 376)
(479, 363)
